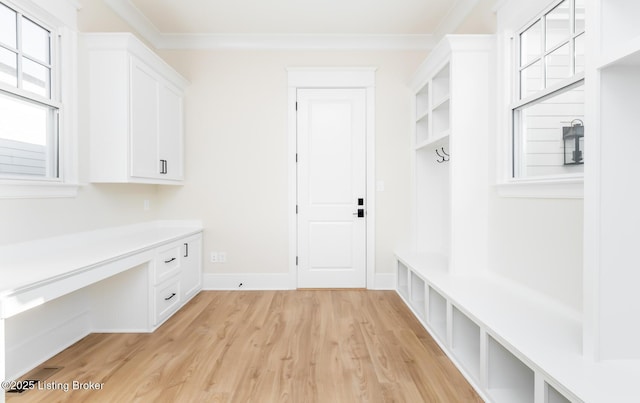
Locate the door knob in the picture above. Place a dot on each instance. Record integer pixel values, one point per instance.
(359, 213)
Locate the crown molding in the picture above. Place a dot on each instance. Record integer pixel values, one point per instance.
(456, 15)
(296, 41)
(132, 15)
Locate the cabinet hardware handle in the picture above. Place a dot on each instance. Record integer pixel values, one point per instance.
(170, 260)
(186, 249)
(173, 294)
(163, 167)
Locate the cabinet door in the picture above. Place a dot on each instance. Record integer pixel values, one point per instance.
(170, 136)
(144, 115)
(191, 277)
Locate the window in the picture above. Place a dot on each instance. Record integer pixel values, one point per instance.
(29, 102)
(548, 108)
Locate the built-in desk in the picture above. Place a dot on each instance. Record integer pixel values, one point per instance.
(55, 291)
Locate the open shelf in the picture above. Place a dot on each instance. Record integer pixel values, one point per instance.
(441, 84)
(546, 333)
(403, 280)
(422, 101)
(422, 129)
(418, 295)
(440, 116)
(466, 342)
(509, 379)
(553, 396)
(438, 314)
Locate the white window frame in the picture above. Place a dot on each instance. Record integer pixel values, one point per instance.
(553, 186)
(60, 17)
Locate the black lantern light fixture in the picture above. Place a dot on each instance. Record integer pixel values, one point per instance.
(573, 139)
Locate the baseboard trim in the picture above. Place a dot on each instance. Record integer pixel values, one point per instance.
(274, 281)
(248, 281)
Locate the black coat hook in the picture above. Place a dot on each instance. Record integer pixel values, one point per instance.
(442, 158)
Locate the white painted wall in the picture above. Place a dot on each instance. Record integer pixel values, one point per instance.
(535, 242)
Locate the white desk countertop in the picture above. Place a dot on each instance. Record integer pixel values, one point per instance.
(30, 264)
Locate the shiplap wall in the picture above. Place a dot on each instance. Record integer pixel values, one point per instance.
(20, 158)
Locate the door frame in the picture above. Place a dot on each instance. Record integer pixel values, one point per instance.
(331, 78)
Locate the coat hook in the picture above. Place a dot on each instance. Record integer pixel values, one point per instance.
(441, 158)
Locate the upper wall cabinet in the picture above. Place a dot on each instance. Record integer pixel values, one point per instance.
(136, 112)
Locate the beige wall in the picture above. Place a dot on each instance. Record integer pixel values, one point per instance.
(236, 149)
(236, 156)
(236, 169)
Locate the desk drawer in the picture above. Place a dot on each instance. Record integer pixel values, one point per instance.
(167, 263)
(167, 299)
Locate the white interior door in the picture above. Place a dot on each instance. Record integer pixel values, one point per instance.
(331, 129)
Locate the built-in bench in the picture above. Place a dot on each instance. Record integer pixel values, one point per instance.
(127, 279)
(512, 344)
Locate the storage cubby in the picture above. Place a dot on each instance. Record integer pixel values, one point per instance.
(466, 342)
(509, 379)
(441, 85)
(403, 280)
(553, 396)
(441, 122)
(422, 101)
(422, 130)
(417, 295)
(437, 318)
(432, 200)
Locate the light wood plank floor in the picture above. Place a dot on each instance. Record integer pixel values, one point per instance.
(266, 346)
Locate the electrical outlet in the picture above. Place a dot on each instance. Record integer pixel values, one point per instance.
(222, 257)
(214, 257)
(146, 205)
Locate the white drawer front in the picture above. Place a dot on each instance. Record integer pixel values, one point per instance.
(167, 263)
(167, 300)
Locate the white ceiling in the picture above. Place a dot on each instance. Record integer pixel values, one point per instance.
(295, 16)
(346, 24)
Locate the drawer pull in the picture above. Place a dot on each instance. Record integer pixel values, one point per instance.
(170, 260)
(173, 294)
(186, 250)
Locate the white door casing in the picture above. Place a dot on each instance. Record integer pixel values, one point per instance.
(332, 78)
(331, 188)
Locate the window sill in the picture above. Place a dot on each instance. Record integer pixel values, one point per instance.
(556, 188)
(36, 190)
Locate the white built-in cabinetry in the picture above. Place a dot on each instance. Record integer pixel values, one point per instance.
(612, 193)
(450, 143)
(124, 279)
(504, 339)
(177, 276)
(136, 112)
(511, 342)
